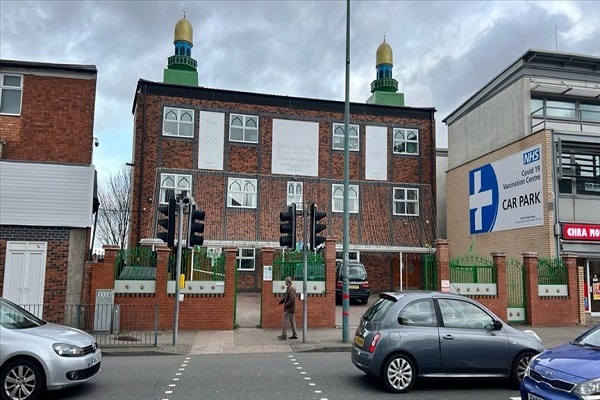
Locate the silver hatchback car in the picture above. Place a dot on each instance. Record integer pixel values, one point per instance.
(36, 355)
(410, 334)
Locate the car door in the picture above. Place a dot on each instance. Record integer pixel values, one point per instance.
(468, 342)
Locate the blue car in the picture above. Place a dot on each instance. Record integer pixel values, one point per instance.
(569, 371)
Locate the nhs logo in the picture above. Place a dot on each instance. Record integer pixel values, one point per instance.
(483, 199)
(531, 156)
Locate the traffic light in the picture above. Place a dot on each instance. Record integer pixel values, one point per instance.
(195, 227)
(287, 228)
(168, 223)
(315, 227)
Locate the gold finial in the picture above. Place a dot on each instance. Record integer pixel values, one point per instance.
(184, 14)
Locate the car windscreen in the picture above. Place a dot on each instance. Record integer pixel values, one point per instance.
(15, 317)
(356, 273)
(591, 337)
(378, 310)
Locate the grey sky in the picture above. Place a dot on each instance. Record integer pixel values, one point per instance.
(443, 51)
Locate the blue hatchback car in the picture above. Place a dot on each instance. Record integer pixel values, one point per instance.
(570, 371)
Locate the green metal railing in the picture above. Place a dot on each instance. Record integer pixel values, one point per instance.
(136, 263)
(552, 271)
(471, 268)
(198, 266)
(291, 264)
(515, 283)
(430, 267)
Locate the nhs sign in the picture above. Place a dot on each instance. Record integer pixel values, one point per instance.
(508, 193)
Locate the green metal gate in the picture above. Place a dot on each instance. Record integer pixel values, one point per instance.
(515, 290)
(430, 268)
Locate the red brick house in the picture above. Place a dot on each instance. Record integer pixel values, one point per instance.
(244, 156)
(47, 184)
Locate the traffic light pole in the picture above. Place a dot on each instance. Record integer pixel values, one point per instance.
(178, 270)
(305, 273)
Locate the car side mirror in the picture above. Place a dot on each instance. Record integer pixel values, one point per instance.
(497, 325)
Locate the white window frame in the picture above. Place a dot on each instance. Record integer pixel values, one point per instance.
(337, 142)
(241, 190)
(353, 256)
(179, 182)
(295, 192)
(404, 141)
(337, 198)
(246, 128)
(9, 88)
(406, 201)
(179, 114)
(240, 257)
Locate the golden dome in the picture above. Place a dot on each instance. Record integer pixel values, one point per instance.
(184, 31)
(384, 54)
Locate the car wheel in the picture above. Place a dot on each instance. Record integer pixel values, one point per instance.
(22, 379)
(365, 300)
(399, 373)
(519, 366)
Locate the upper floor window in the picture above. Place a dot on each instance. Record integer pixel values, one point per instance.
(338, 137)
(243, 128)
(337, 198)
(245, 259)
(178, 122)
(579, 171)
(294, 194)
(241, 193)
(565, 109)
(406, 141)
(590, 112)
(169, 183)
(11, 90)
(406, 201)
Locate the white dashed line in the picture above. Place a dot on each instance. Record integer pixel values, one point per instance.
(306, 378)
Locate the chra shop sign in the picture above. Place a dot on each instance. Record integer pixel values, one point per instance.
(581, 232)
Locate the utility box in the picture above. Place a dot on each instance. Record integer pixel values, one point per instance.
(106, 313)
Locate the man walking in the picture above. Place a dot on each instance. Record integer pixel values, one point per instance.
(289, 309)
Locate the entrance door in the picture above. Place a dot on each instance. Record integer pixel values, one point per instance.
(24, 275)
(594, 268)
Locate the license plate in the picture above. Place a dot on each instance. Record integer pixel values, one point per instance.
(359, 340)
(533, 397)
(353, 286)
(96, 359)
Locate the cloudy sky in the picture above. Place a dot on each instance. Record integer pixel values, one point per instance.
(443, 51)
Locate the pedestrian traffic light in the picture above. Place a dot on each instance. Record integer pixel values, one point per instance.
(168, 223)
(315, 227)
(195, 227)
(287, 228)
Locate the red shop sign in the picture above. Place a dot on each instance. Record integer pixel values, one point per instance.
(581, 232)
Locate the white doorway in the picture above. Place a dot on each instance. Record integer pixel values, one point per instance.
(25, 274)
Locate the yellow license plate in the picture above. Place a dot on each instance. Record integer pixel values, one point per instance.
(359, 341)
(353, 286)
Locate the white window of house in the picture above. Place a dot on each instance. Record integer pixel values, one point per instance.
(406, 201)
(294, 194)
(243, 128)
(178, 122)
(11, 90)
(338, 137)
(406, 141)
(171, 182)
(353, 256)
(337, 198)
(241, 193)
(245, 259)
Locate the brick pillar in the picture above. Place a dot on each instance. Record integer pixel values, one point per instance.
(330, 279)
(502, 303)
(530, 262)
(580, 283)
(103, 273)
(570, 260)
(230, 287)
(268, 306)
(442, 255)
(162, 275)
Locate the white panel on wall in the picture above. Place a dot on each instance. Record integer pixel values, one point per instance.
(38, 194)
(295, 148)
(211, 138)
(376, 148)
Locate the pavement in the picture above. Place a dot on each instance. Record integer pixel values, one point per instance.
(249, 338)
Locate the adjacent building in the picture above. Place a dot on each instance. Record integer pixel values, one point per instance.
(244, 157)
(524, 164)
(47, 182)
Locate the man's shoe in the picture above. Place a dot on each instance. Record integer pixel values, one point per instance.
(281, 337)
(293, 337)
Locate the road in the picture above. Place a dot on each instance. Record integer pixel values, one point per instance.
(259, 376)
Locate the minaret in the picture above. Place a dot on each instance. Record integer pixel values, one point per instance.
(181, 67)
(384, 87)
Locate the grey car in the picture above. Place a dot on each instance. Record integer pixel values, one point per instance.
(36, 355)
(418, 334)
